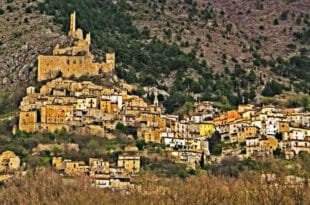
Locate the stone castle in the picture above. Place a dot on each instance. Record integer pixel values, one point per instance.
(75, 60)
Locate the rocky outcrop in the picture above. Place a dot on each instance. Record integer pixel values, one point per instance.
(25, 33)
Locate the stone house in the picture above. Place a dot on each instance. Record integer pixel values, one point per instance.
(9, 162)
(131, 164)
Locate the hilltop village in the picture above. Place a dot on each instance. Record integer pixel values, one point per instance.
(85, 108)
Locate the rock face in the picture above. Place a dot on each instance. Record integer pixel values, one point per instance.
(25, 34)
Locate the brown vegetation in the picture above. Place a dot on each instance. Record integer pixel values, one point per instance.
(46, 187)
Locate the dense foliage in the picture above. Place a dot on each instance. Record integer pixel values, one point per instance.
(9, 102)
(272, 88)
(296, 69)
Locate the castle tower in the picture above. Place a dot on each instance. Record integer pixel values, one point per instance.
(110, 59)
(72, 24)
(87, 39)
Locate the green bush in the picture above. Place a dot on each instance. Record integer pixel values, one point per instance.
(284, 15)
(140, 144)
(166, 168)
(272, 88)
(215, 144)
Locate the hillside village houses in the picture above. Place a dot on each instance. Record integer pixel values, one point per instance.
(86, 108)
(10, 164)
(101, 172)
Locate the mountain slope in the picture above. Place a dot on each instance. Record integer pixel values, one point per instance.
(252, 34)
(24, 34)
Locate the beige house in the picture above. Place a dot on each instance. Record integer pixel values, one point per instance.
(9, 162)
(98, 166)
(75, 168)
(130, 163)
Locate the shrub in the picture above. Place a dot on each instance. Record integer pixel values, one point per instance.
(284, 15)
(272, 88)
(261, 27)
(275, 22)
(28, 10)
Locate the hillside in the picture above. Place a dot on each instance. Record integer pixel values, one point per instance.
(252, 34)
(24, 34)
(232, 28)
(221, 51)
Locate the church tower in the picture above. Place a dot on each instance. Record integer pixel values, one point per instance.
(156, 103)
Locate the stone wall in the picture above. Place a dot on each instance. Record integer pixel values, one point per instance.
(51, 66)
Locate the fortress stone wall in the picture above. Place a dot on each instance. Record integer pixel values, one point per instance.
(75, 60)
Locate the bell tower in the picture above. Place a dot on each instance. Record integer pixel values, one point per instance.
(156, 103)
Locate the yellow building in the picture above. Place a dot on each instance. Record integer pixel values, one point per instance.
(247, 115)
(136, 101)
(153, 120)
(74, 60)
(149, 135)
(4, 177)
(270, 143)
(284, 126)
(28, 120)
(57, 163)
(106, 106)
(56, 114)
(75, 168)
(120, 183)
(206, 129)
(9, 162)
(260, 147)
(130, 163)
(243, 108)
(246, 132)
(99, 165)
